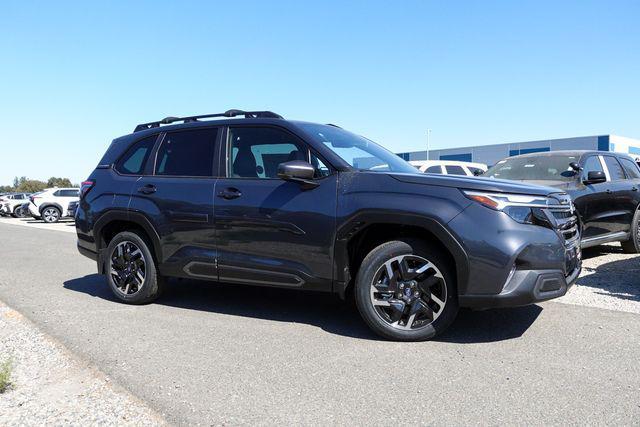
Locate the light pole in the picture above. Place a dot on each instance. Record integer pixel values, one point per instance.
(428, 142)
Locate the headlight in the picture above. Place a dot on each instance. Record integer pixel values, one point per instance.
(522, 208)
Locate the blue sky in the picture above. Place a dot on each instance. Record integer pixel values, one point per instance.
(74, 75)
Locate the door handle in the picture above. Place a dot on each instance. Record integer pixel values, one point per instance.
(634, 188)
(147, 189)
(608, 191)
(230, 193)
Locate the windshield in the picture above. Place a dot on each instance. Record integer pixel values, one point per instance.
(356, 150)
(543, 168)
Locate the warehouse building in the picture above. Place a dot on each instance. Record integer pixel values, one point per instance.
(490, 154)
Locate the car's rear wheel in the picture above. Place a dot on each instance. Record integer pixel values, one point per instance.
(18, 212)
(131, 270)
(632, 246)
(51, 214)
(405, 291)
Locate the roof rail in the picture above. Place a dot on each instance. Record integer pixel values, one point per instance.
(228, 113)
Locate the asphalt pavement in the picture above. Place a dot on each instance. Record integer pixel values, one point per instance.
(232, 354)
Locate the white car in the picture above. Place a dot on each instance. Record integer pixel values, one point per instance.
(52, 203)
(449, 167)
(10, 204)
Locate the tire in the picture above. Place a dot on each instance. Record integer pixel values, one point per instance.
(632, 246)
(139, 291)
(51, 214)
(386, 311)
(18, 212)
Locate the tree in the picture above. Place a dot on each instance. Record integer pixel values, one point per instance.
(30, 186)
(58, 182)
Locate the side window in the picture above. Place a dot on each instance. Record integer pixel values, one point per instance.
(256, 152)
(615, 170)
(58, 193)
(135, 158)
(455, 170)
(591, 164)
(433, 169)
(631, 168)
(187, 153)
(69, 193)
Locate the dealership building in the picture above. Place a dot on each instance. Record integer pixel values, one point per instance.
(490, 154)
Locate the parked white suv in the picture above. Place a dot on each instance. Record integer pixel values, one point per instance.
(10, 204)
(449, 167)
(53, 203)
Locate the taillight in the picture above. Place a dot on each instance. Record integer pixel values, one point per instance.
(85, 187)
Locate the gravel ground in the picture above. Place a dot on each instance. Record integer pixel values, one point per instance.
(50, 387)
(610, 279)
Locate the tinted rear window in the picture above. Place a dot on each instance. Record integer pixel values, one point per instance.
(135, 159)
(433, 169)
(631, 168)
(455, 170)
(615, 170)
(187, 153)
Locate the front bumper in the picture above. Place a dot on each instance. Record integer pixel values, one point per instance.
(524, 287)
(513, 264)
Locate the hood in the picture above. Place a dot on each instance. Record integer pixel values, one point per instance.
(476, 183)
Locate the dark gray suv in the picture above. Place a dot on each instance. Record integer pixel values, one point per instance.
(252, 198)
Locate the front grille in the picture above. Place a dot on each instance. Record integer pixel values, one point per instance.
(563, 219)
(566, 224)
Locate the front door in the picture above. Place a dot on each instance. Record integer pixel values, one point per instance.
(177, 197)
(269, 231)
(592, 201)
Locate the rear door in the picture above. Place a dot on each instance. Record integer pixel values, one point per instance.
(623, 198)
(177, 198)
(67, 196)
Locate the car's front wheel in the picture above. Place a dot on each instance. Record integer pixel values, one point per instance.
(131, 269)
(51, 214)
(405, 291)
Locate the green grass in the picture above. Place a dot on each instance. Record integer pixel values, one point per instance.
(5, 375)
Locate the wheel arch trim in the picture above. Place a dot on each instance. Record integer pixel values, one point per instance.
(136, 218)
(49, 205)
(360, 222)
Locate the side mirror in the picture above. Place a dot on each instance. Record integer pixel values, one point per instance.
(298, 171)
(595, 177)
(576, 167)
(478, 172)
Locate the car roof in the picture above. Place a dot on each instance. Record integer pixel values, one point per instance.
(203, 123)
(577, 153)
(294, 126)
